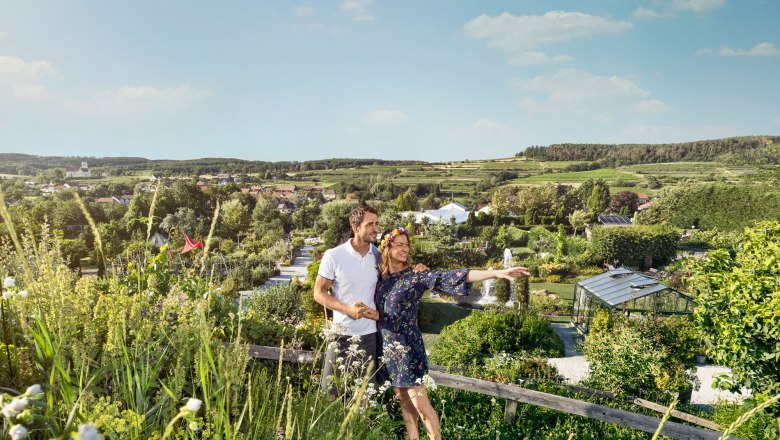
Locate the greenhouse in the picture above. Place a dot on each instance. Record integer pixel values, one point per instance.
(624, 291)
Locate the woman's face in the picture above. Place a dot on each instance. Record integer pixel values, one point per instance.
(399, 249)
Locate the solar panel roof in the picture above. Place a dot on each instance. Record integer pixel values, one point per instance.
(606, 219)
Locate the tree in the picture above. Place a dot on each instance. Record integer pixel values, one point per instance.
(234, 219)
(522, 292)
(560, 243)
(406, 201)
(622, 200)
(502, 291)
(578, 219)
(738, 308)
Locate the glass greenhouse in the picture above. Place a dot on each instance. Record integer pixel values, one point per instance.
(622, 290)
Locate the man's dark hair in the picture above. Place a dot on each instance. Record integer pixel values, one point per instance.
(358, 212)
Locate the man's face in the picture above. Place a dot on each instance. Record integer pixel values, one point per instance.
(367, 229)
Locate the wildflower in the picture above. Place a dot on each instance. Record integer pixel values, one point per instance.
(193, 404)
(193, 426)
(355, 339)
(17, 431)
(358, 381)
(9, 282)
(493, 400)
(33, 390)
(8, 294)
(23, 293)
(88, 431)
(429, 382)
(15, 407)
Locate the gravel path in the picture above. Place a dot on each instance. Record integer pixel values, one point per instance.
(299, 268)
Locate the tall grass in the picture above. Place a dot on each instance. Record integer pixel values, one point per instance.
(127, 356)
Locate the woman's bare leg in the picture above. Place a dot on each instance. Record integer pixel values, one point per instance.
(419, 397)
(408, 412)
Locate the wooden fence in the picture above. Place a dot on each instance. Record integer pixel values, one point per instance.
(514, 394)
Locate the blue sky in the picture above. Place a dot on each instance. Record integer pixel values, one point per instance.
(431, 80)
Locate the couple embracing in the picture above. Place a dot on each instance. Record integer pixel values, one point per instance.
(375, 298)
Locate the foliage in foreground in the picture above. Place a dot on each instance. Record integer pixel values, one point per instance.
(738, 302)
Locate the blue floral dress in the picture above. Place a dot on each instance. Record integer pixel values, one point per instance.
(398, 300)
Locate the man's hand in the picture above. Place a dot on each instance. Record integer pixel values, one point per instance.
(357, 310)
(419, 267)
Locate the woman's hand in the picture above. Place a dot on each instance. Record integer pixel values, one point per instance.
(370, 314)
(513, 272)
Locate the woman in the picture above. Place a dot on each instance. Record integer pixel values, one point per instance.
(397, 298)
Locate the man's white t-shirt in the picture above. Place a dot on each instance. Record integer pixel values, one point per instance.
(354, 278)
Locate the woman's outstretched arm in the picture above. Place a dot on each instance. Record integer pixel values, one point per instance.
(511, 273)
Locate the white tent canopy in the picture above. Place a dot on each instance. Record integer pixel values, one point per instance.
(443, 214)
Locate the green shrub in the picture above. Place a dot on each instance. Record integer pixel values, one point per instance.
(631, 246)
(560, 269)
(280, 301)
(552, 279)
(647, 357)
(761, 426)
(481, 335)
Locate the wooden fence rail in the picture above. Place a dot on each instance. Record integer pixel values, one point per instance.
(514, 394)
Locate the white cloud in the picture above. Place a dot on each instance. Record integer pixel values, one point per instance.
(705, 51)
(649, 14)
(15, 66)
(303, 10)
(574, 89)
(29, 92)
(519, 33)
(697, 5)
(385, 117)
(651, 106)
(763, 49)
(532, 58)
(358, 8)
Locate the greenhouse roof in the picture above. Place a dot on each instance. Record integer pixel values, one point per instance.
(620, 285)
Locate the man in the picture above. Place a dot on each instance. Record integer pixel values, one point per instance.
(350, 270)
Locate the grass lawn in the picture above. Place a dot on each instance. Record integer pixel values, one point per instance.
(445, 314)
(562, 290)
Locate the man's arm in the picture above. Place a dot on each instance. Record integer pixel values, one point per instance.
(321, 295)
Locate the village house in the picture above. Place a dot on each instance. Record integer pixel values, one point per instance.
(78, 172)
(328, 194)
(286, 207)
(287, 192)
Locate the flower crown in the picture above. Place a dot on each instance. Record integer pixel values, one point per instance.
(390, 236)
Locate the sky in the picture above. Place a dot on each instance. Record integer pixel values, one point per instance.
(433, 80)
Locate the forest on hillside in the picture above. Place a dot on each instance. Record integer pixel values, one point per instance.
(736, 150)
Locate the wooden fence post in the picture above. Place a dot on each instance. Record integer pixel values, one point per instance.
(510, 411)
